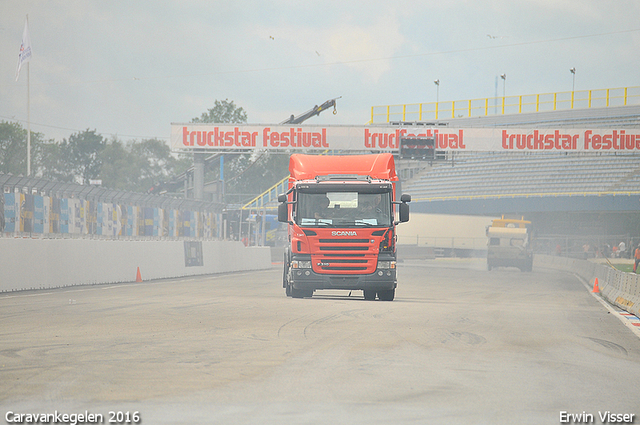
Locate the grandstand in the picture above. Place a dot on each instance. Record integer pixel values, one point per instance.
(531, 182)
(544, 176)
(573, 199)
(489, 174)
(593, 196)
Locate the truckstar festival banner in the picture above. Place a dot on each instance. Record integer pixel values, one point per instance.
(221, 137)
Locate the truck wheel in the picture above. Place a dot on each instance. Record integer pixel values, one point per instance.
(527, 266)
(387, 295)
(285, 280)
(369, 294)
(301, 293)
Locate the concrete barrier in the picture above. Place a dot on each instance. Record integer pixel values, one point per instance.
(53, 263)
(619, 288)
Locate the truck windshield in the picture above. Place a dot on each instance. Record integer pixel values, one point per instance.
(344, 209)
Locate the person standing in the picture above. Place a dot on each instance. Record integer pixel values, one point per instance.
(621, 249)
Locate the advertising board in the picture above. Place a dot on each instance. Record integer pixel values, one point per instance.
(387, 138)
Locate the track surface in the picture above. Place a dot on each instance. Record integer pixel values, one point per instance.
(459, 345)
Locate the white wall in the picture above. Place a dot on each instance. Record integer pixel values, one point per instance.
(444, 231)
(51, 263)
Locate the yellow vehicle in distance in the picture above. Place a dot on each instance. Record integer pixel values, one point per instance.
(509, 244)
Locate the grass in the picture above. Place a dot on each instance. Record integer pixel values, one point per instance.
(628, 268)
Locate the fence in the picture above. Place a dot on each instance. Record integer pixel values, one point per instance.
(506, 105)
(574, 246)
(585, 246)
(33, 207)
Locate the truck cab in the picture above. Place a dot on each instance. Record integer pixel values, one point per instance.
(509, 244)
(341, 212)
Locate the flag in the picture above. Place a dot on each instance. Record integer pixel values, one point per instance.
(25, 48)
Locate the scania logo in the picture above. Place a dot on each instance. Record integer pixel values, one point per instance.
(344, 233)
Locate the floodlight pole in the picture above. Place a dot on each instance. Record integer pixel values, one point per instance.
(504, 84)
(573, 85)
(437, 83)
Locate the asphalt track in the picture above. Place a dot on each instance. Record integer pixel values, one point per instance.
(459, 345)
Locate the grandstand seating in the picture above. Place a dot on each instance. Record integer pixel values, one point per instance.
(493, 174)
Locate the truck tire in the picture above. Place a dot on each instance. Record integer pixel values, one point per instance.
(386, 295)
(301, 293)
(369, 294)
(285, 279)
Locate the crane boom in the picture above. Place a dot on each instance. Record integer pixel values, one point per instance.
(312, 112)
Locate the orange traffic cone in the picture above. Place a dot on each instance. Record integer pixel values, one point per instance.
(596, 288)
(138, 276)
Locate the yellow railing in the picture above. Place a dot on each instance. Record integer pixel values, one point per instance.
(581, 99)
(267, 198)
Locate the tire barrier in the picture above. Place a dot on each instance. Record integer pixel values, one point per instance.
(36, 207)
(618, 288)
(48, 216)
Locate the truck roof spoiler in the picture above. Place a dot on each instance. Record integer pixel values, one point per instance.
(354, 177)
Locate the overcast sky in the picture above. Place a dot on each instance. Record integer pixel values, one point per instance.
(131, 68)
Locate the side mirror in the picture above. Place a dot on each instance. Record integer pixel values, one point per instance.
(283, 211)
(282, 198)
(404, 212)
(405, 198)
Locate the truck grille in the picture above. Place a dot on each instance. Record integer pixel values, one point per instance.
(344, 248)
(328, 268)
(344, 256)
(344, 240)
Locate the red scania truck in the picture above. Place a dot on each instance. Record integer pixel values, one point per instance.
(341, 212)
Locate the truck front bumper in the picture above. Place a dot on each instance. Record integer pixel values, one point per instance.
(307, 279)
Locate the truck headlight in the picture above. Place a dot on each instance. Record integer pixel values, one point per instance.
(298, 264)
(386, 264)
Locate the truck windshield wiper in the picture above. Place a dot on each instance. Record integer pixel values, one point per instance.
(323, 223)
(364, 223)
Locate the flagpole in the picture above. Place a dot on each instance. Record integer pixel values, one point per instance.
(28, 118)
(25, 56)
(28, 124)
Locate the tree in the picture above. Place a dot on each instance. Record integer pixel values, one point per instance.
(224, 111)
(82, 154)
(258, 174)
(137, 166)
(247, 175)
(119, 168)
(13, 149)
(54, 165)
(155, 162)
(85, 155)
